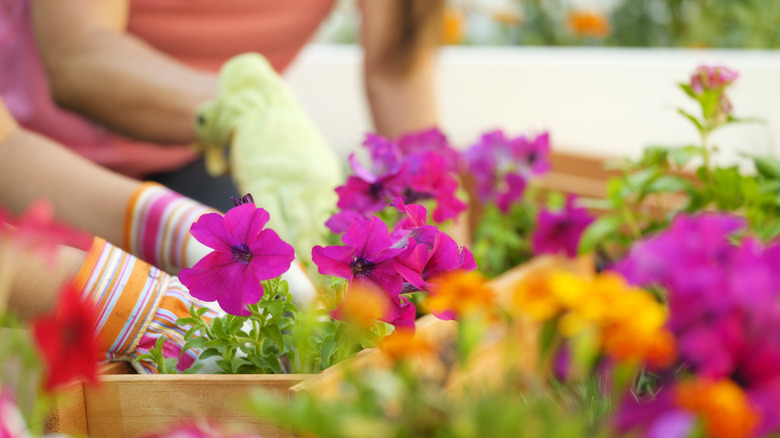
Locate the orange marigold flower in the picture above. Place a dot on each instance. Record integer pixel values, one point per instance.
(722, 404)
(363, 306)
(460, 293)
(404, 344)
(452, 26)
(589, 24)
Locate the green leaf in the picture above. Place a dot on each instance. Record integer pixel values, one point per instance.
(216, 343)
(275, 334)
(202, 311)
(680, 156)
(692, 118)
(768, 167)
(238, 362)
(598, 231)
(217, 328)
(275, 308)
(186, 321)
(688, 90)
(198, 342)
(209, 352)
(170, 365)
(669, 184)
(193, 369)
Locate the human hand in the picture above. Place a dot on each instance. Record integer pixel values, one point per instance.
(274, 150)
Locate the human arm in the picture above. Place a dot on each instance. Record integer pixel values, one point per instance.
(87, 55)
(399, 74)
(83, 194)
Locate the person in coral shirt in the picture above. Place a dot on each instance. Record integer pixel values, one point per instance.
(121, 81)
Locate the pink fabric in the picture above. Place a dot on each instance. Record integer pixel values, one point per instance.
(200, 33)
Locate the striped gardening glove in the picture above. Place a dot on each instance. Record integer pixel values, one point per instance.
(136, 304)
(273, 150)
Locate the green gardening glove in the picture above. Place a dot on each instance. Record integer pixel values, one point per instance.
(256, 131)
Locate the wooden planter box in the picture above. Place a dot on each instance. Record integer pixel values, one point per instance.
(125, 404)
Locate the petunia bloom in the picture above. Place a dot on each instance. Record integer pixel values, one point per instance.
(502, 166)
(560, 232)
(67, 341)
(366, 257)
(244, 255)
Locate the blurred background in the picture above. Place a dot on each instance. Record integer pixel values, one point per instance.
(600, 75)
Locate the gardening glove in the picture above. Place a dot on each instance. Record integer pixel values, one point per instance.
(157, 230)
(136, 304)
(273, 150)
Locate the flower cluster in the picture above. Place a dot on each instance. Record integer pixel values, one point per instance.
(406, 260)
(501, 166)
(628, 322)
(416, 167)
(723, 307)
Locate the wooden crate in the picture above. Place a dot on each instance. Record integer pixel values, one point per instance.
(442, 334)
(133, 405)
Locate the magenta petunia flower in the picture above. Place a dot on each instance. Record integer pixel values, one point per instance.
(502, 166)
(560, 231)
(367, 256)
(424, 260)
(341, 221)
(428, 178)
(429, 140)
(244, 255)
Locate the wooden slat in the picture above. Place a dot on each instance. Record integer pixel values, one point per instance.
(137, 405)
(68, 413)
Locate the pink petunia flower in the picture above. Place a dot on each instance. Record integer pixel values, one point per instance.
(366, 257)
(502, 166)
(560, 231)
(244, 255)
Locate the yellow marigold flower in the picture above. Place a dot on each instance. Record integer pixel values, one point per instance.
(589, 24)
(452, 26)
(534, 296)
(460, 293)
(722, 404)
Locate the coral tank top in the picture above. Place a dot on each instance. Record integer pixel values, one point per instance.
(200, 33)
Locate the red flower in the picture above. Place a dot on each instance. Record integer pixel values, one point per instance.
(67, 341)
(36, 231)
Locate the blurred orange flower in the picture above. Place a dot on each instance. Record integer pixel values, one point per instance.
(722, 404)
(584, 23)
(404, 344)
(453, 26)
(363, 306)
(459, 293)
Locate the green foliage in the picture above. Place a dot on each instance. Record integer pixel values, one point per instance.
(658, 185)
(502, 241)
(274, 339)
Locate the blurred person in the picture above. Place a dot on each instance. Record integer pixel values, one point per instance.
(138, 294)
(129, 83)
